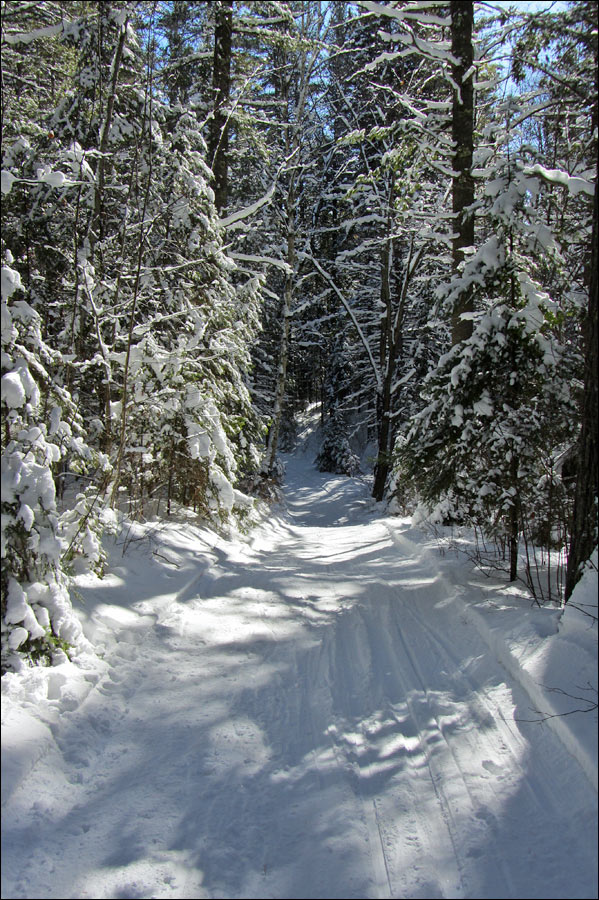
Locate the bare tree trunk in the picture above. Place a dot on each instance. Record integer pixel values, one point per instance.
(383, 462)
(391, 351)
(514, 538)
(584, 525)
(387, 366)
(277, 415)
(294, 130)
(116, 478)
(96, 229)
(218, 138)
(97, 226)
(462, 23)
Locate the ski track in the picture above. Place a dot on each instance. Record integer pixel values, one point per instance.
(345, 732)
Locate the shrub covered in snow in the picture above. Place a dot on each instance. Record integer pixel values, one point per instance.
(336, 454)
(38, 622)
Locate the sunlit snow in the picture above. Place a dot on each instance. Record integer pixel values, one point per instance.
(324, 707)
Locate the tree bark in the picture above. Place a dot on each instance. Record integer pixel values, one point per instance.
(462, 24)
(584, 525)
(218, 137)
(387, 367)
(391, 352)
(268, 465)
(97, 224)
(514, 520)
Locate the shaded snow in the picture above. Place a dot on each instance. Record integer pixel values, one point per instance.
(326, 708)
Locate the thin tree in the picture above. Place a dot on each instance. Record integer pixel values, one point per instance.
(462, 129)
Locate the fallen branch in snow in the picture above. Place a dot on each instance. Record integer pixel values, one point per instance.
(166, 559)
(581, 608)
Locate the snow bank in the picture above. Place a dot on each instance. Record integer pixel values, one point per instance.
(551, 653)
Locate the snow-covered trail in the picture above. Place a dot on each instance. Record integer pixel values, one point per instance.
(311, 714)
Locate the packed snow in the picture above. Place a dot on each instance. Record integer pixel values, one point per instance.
(334, 704)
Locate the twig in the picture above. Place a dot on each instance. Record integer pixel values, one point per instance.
(544, 716)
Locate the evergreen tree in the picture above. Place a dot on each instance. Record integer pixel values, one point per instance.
(40, 428)
(491, 451)
(136, 292)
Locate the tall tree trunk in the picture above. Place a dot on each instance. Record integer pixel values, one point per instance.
(387, 366)
(97, 223)
(584, 525)
(391, 351)
(383, 462)
(277, 415)
(294, 136)
(268, 464)
(97, 226)
(218, 136)
(514, 518)
(462, 23)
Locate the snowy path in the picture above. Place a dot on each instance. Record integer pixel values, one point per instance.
(311, 714)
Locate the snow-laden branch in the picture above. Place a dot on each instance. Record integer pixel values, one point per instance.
(413, 11)
(574, 183)
(407, 377)
(22, 37)
(351, 314)
(438, 51)
(248, 211)
(267, 260)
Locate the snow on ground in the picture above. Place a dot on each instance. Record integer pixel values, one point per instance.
(327, 707)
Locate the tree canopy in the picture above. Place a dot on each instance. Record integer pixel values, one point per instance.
(216, 213)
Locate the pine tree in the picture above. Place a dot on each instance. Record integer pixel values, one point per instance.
(490, 444)
(137, 293)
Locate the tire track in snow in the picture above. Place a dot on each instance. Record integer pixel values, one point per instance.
(433, 638)
(436, 643)
(336, 674)
(345, 643)
(504, 753)
(501, 748)
(396, 682)
(352, 641)
(513, 741)
(438, 776)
